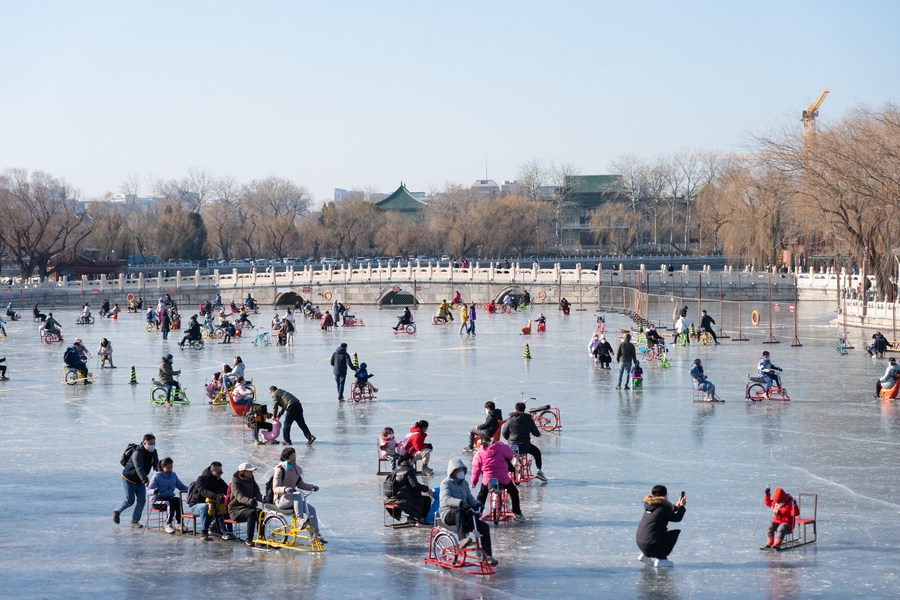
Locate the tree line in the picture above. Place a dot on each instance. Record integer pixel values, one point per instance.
(831, 194)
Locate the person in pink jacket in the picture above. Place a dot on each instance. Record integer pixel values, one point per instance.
(494, 461)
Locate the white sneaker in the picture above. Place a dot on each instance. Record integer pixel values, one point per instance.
(540, 475)
(645, 559)
(662, 562)
(169, 528)
(519, 517)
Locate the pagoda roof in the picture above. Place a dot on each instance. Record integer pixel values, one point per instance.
(401, 201)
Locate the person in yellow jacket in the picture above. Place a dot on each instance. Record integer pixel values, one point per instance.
(463, 319)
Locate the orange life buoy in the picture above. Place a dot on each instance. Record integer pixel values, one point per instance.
(542, 295)
(130, 297)
(754, 318)
(328, 295)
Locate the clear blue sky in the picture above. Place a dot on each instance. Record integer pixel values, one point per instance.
(366, 94)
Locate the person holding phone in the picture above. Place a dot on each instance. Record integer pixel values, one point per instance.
(653, 537)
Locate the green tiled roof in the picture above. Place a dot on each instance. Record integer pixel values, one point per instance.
(401, 201)
(594, 184)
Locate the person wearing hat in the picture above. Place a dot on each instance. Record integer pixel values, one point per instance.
(604, 352)
(653, 537)
(784, 513)
(74, 360)
(167, 375)
(246, 499)
(82, 351)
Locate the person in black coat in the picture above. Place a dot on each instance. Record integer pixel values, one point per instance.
(487, 429)
(518, 429)
(136, 478)
(406, 493)
(653, 537)
(206, 496)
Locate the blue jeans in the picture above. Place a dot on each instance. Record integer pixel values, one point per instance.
(340, 380)
(201, 509)
(625, 367)
(135, 493)
(169, 386)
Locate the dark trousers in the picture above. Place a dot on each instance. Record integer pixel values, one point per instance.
(536, 453)
(510, 488)
(465, 520)
(172, 506)
(294, 414)
(713, 334)
(251, 517)
(662, 548)
(257, 425)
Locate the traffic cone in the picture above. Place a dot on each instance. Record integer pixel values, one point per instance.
(527, 351)
(133, 377)
(355, 361)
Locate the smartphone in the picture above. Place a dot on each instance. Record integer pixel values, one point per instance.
(682, 493)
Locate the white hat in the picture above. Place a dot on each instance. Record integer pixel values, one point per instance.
(246, 467)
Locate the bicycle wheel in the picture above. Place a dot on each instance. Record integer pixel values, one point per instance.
(71, 377)
(158, 395)
(445, 548)
(411, 328)
(756, 391)
(197, 344)
(219, 332)
(276, 529)
(547, 421)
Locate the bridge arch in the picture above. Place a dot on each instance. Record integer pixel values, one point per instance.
(397, 296)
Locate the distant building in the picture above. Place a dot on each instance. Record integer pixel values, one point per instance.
(402, 201)
(584, 194)
(486, 187)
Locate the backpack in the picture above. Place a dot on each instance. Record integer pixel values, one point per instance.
(405, 446)
(69, 358)
(129, 450)
(269, 492)
(191, 493)
(388, 486)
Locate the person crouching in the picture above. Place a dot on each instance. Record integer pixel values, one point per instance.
(653, 537)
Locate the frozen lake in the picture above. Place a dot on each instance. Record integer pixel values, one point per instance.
(61, 445)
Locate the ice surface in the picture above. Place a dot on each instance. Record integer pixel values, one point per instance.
(60, 475)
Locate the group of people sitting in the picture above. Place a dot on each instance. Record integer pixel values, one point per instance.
(493, 460)
(210, 498)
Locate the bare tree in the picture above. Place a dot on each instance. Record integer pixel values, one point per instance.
(39, 219)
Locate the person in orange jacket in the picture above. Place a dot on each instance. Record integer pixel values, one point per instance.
(784, 512)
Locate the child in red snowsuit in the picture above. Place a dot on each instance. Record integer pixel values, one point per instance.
(784, 511)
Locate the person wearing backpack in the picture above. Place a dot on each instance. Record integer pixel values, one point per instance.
(287, 478)
(403, 489)
(73, 360)
(136, 477)
(206, 497)
(246, 498)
